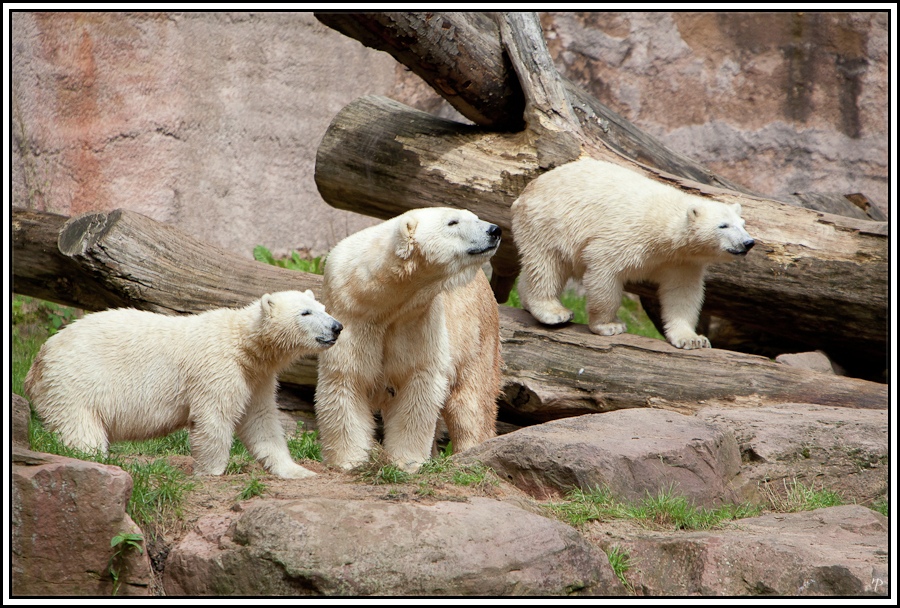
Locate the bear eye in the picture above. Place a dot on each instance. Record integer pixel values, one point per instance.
(452, 222)
(305, 313)
(723, 226)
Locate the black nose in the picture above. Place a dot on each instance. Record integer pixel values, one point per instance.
(748, 244)
(336, 328)
(495, 231)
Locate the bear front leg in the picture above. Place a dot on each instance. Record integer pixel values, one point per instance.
(680, 299)
(410, 419)
(604, 297)
(263, 436)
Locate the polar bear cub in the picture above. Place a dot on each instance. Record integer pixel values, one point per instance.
(128, 374)
(605, 225)
(421, 338)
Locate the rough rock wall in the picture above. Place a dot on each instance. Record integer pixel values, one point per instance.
(781, 102)
(211, 121)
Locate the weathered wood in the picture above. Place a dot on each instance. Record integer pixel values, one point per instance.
(814, 277)
(121, 258)
(548, 373)
(457, 53)
(552, 373)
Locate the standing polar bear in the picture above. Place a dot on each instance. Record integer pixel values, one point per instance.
(604, 225)
(128, 374)
(421, 338)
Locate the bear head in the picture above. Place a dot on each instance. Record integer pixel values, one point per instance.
(719, 229)
(450, 241)
(295, 320)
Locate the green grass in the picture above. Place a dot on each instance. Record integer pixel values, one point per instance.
(292, 262)
(620, 562)
(630, 312)
(305, 444)
(663, 511)
(441, 469)
(798, 497)
(881, 506)
(254, 487)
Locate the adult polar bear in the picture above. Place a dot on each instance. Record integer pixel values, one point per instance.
(128, 374)
(605, 225)
(421, 338)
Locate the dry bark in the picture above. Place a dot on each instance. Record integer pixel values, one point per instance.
(818, 278)
(548, 373)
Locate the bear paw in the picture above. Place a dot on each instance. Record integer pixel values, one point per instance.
(691, 342)
(292, 472)
(608, 329)
(551, 314)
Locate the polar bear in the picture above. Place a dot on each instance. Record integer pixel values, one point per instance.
(602, 224)
(128, 374)
(421, 338)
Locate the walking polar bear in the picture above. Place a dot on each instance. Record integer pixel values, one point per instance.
(127, 374)
(605, 225)
(421, 338)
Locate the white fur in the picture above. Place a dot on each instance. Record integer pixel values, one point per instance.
(127, 374)
(393, 285)
(605, 225)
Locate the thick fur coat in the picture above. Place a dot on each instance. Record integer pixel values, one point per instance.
(604, 225)
(127, 374)
(421, 338)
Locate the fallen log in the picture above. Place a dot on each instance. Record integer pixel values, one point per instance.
(548, 373)
(813, 277)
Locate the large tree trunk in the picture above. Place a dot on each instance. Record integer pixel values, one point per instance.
(822, 282)
(817, 278)
(548, 373)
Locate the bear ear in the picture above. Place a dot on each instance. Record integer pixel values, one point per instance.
(737, 208)
(310, 293)
(407, 236)
(266, 303)
(693, 212)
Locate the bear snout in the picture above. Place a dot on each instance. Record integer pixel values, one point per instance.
(494, 231)
(744, 247)
(336, 328)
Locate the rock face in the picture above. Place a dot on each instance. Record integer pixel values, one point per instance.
(825, 447)
(780, 102)
(838, 551)
(338, 547)
(211, 120)
(633, 452)
(65, 512)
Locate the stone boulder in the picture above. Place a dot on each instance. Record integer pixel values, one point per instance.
(323, 546)
(634, 452)
(837, 551)
(65, 512)
(840, 449)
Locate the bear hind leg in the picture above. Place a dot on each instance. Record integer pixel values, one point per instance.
(540, 283)
(604, 296)
(86, 434)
